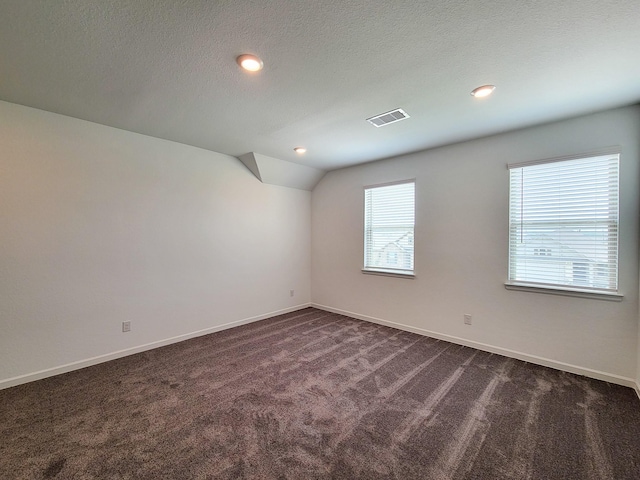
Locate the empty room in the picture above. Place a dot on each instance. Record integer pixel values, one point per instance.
(331, 239)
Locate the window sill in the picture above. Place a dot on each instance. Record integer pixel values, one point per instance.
(388, 273)
(568, 292)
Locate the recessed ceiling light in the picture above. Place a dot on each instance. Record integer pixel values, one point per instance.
(250, 62)
(483, 91)
(300, 150)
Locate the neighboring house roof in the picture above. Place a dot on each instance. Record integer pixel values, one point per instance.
(572, 244)
(398, 243)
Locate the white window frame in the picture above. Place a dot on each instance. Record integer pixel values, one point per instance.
(372, 267)
(517, 280)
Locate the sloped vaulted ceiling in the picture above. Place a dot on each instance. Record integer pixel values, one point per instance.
(167, 69)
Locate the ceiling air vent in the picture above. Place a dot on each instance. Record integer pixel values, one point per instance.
(387, 118)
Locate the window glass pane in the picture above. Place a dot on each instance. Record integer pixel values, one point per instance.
(563, 223)
(389, 226)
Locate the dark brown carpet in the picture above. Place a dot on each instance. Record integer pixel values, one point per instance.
(315, 395)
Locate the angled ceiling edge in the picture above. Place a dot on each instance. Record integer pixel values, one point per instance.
(250, 162)
(274, 171)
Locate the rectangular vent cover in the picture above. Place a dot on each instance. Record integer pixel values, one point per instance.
(388, 117)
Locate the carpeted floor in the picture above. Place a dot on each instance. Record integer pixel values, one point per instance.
(315, 395)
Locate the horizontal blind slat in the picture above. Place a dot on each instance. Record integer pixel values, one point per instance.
(563, 223)
(389, 227)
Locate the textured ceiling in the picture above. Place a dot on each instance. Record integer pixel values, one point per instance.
(167, 68)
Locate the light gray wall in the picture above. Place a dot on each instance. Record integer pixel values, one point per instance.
(461, 249)
(100, 225)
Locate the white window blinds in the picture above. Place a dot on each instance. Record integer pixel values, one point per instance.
(563, 223)
(389, 218)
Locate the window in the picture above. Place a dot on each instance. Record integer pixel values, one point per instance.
(389, 218)
(563, 224)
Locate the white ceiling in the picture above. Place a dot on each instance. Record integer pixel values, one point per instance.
(167, 68)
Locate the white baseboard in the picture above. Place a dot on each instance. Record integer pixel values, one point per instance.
(50, 372)
(566, 367)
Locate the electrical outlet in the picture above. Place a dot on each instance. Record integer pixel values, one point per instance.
(291, 293)
(467, 319)
(126, 326)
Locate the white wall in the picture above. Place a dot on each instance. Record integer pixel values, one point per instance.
(100, 225)
(461, 249)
